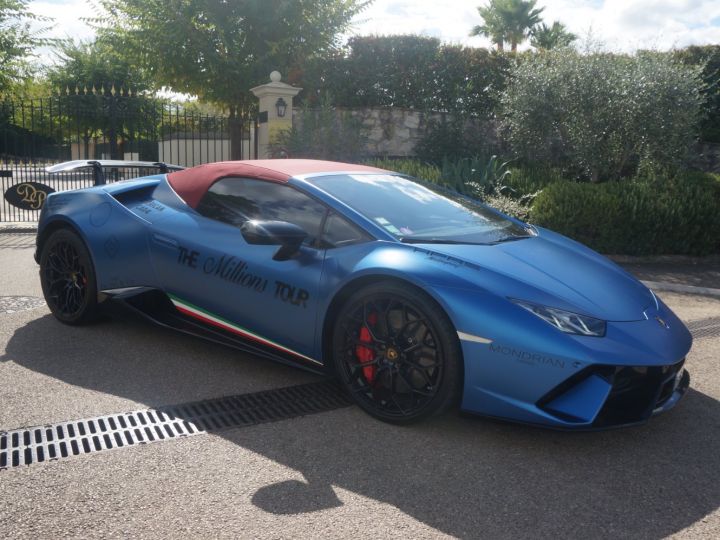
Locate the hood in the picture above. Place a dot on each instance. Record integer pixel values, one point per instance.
(552, 270)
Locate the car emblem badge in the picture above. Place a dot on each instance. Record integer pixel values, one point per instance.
(661, 322)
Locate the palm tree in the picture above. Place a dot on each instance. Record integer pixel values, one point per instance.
(546, 37)
(492, 26)
(508, 21)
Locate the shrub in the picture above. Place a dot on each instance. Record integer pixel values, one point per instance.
(448, 139)
(527, 179)
(641, 217)
(602, 113)
(518, 208)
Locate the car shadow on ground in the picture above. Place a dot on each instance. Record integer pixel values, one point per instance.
(462, 475)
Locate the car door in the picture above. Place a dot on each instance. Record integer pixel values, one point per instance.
(213, 274)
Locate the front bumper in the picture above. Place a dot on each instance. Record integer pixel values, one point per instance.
(613, 396)
(606, 397)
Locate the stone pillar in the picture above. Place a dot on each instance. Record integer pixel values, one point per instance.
(270, 123)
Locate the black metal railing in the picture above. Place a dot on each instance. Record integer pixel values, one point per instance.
(99, 125)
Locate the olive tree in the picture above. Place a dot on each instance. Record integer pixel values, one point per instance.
(602, 114)
(218, 49)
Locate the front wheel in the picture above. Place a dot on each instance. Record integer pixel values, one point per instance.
(68, 279)
(397, 353)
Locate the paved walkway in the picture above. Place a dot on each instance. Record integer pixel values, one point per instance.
(687, 275)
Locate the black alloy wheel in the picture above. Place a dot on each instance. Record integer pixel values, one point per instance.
(67, 277)
(397, 353)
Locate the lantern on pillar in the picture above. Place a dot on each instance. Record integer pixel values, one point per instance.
(280, 107)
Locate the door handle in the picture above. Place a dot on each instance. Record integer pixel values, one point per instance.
(164, 240)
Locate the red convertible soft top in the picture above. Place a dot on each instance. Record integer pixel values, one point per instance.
(191, 184)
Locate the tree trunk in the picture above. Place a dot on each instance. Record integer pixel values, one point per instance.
(235, 128)
(112, 131)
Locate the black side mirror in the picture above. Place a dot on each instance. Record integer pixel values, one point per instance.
(272, 233)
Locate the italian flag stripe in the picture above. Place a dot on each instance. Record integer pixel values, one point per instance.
(205, 316)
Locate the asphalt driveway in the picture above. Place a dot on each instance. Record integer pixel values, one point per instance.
(334, 474)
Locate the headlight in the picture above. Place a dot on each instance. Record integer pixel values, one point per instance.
(568, 322)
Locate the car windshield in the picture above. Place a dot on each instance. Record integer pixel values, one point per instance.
(416, 212)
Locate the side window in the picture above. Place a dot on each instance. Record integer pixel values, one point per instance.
(339, 232)
(237, 200)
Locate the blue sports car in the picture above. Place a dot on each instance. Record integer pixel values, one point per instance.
(417, 299)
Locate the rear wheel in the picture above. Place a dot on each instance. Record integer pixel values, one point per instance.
(68, 279)
(397, 353)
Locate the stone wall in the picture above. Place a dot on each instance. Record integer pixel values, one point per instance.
(394, 131)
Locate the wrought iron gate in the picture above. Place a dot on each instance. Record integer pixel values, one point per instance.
(105, 125)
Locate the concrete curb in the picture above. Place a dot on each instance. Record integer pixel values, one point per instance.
(18, 230)
(664, 259)
(685, 289)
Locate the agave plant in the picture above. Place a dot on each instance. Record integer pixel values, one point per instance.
(477, 175)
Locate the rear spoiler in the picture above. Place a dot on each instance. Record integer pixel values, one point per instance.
(97, 166)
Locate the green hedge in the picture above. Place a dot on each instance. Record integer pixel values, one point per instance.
(679, 216)
(409, 71)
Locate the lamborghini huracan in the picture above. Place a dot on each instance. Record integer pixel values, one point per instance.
(415, 297)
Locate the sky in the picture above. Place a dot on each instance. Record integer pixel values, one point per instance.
(618, 25)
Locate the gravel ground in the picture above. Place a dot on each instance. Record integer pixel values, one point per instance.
(336, 474)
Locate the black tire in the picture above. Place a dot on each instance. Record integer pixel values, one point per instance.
(397, 353)
(68, 278)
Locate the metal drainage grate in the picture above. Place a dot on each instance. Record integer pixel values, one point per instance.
(65, 439)
(705, 328)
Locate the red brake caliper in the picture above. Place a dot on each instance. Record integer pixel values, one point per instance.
(365, 354)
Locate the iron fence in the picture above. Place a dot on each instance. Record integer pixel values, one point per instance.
(42, 132)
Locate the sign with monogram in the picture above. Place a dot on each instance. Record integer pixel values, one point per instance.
(28, 195)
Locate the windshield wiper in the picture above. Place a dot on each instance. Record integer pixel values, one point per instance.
(431, 240)
(510, 239)
(421, 240)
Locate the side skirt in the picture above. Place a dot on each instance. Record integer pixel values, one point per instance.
(173, 313)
